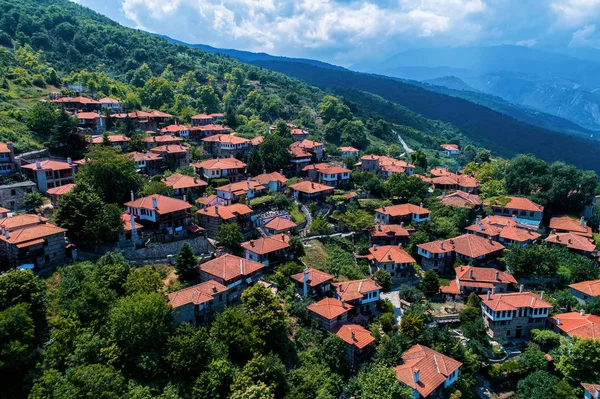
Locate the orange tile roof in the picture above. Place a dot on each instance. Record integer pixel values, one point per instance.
(229, 267)
(170, 149)
(348, 149)
(23, 220)
(174, 128)
(355, 289)
(108, 100)
(572, 241)
(433, 367)
(308, 144)
(469, 245)
(437, 172)
(469, 274)
(4, 210)
(390, 253)
(225, 138)
(225, 212)
(315, 277)
(329, 308)
(4, 148)
(165, 204)
(460, 199)
(519, 234)
(167, 138)
(591, 388)
(257, 140)
(590, 288)
(354, 334)
(114, 138)
(569, 224)
(575, 324)
(310, 187)
(196, 294)
(266, 245)
(515, 300)
(88, 115)
(524, 204)
(451, 288)
(296, 131)
(450, 147)
(48, 165)
(221, 163)
(79, 99)
(402, 210)
(266, 178)
(206, 200)
(60, 190)
(315, 166)
(27, 235)
(241, 187)
(387, 230)
(144, 156)
(299, 152)
(279, 224)
(126, 218)
(179, 181)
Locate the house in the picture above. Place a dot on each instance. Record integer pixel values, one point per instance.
(210, 218)
(218, 168)
(427, 372)
(78, 103)
(233, 272)
(226, 145)
(131, 234)
(209, 200)
(19, 221)
(206, 119)
(567, 224)
(158, 141)
(148, 163)
(330, 175)
(280, 225)
(175, 156)
(361, 294)
(111, 104)
(450, 150)
(313, 282)
(181, 184)
(461, 199)
(513, 315)
(162, 214)
(385, 166)
(7, 159)
(57, 192)
(176, 129)
(197, 304)
(256, 141)
(437, 172)
(390, 234)
(115, 140)
(359, 342)
(526, 211)
(441, 254)
(147, 121)
(397, 214)
(197, 133)
(393, 259)
(300, 158)
(93, 122)
(329, 312)
(313, 147)
(585, 290)
(267, 250)
(299, 134)
(576, 324)
(49, 173)
(306, 190)
(451, 181)
(505, 230)
(274, 181)
(4, 213)
(41, 244)
(574, 242)
(591, 391)
(232, 192)
(348, 152)
(12, 195)
(479, 280)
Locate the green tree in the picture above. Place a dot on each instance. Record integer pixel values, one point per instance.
(140, 76)
(473, 301)
(274, 152)
(537, 385)
(391, 349)
(208, 100)
(216, 381)
(430, 285)
(234, 328)
(32, 201)
(157, 91)
(533, 358)
(267, 313)
(357, 219)
(132, 102)
(296, 247)
(230, 237)
(186, 263)
(156, 187)
(42, 117)
(378, 382)
(419, 158)
(581, 360)
(143, 280)
(408, 187)
(412, 325)
(592, 306)
(353, 133)
(191, 348)
(65, 140)
(332, 108)
(410, 293)
(472, 325)
(384, 279)
(320, 226)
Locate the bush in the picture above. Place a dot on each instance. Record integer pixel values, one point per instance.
(387, 321)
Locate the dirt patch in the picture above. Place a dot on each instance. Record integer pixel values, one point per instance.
(315, 255)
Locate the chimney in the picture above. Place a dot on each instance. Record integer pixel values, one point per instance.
(582, 312)
(441, 245)
(461, 268)
(38, 165)
(154, 202)
(132, 195)
(480, 226)
(493, 290)
(184, 198)
(305, 282)
(542, 295)
(489, 219)
(353, 336)
(521, 288)
(443, 194)
(40, 218)
(195, 179)
(69, 161)
(241, 266)
(497, 275)
(132, 221)
(489, 295)
(6, 234)
(216, 209)
(514, 218)
(252, 243)
(557, 321)
(148, 154)
(582, 221)
(470, 273)
(416, 375)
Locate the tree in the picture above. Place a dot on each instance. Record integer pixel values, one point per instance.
(410, 293)
(419, 158)
(157, 91)
(357, 219)
(411, 188)
(230, 237)
(378, 382)
(332, 108)
(537, 385)
(430, 285)
(296, 247)
(412, 325)
(32, 201)
(234, 328)
(42, 117)
(384, 279)
(111, 174)
(473, 301)
(581, 360)
(191, 348)
(140, 76)
(266, 312)
(274, 152)
(320, 226)
(131, 102)
(283, 130)
(545, 337)
(156, 187)
(391, 349)
(216, 381)
(592, 306)
(143, 280)
(17, 339)
(353, 133)
(65, 140)
(472, 325)
(255, 391)
(533, 358)
(186, 262)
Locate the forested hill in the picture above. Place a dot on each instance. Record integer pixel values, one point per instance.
(479, 123)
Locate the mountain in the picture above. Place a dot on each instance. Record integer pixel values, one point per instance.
(504, 134)
(450, 82)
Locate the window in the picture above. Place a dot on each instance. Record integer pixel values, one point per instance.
(508, 333)
(13, 192)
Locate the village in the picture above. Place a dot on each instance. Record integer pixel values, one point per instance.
(272, 227)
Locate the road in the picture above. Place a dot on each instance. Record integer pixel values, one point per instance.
(404, 145)
(394, 298)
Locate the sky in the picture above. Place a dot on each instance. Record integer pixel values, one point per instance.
(345, 32)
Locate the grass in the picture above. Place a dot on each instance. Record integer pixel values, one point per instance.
(297, 215)
(315, 256)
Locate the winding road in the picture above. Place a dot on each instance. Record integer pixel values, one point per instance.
(404, 145)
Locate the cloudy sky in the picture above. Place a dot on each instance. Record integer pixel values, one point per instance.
(349, 31)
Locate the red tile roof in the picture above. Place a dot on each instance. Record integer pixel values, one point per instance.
(266, 245)
(225, 212)
(519, 234)
(266, 178)
(4, 148)
(31, 234)
(355, 289)
(391, 230)
(519, 203)
(257, 140)
(433, 367)
(308, 144)
(60, 190)
(469, 274)
(126, 218)
(451, 288)
(48, 165)
(460, 199)
(354, 334)
(315, 277)
(299, 152)
(575, 324)
(348, 149)
(225, 138)
(241, 187)
(450, 147)
(229, 267)
(114, 138)
(390, 253)
(88, 115)
(23, 220)
(589, 288)
(437, 172)
(308, 187)
(179, 181)
(569, 224)
(280, 224)
(402, 210)
(329, 308)
(591, 388)
(515, 300)
(144, 156)
(165, 204)
(220, 164)
(170, 149)
(79, 99)
(469, 245)
(572, 241)
(196, 294)
(165, 139)
(174, 128)
(108, 100)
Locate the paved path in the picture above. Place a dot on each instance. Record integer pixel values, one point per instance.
(394, 298)
(404, 145)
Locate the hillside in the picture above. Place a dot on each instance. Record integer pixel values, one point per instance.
(506, 135)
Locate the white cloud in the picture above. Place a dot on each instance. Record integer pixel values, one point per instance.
(573, 13)
(527, 42)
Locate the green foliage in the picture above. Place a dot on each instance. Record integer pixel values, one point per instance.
(332, 108)
(538, 385)
(296, 247)
(42, 118)
(430, 284)
(32, 201)
(378, 382)
(155, 187)
(473, 301)
(186, 263)
(410, 188)
(581, 361)
(593, 306)
(230, 237)
(410, 293)
(143, 280)
(472, 325)
(533, 358)
(384, 279)
(357, 219)
(320, 226)
(545, 337)
(412, 325)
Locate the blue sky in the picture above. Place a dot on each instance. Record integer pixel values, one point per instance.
(349, 31)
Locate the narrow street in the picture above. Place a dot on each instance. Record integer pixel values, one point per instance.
(404, 145)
